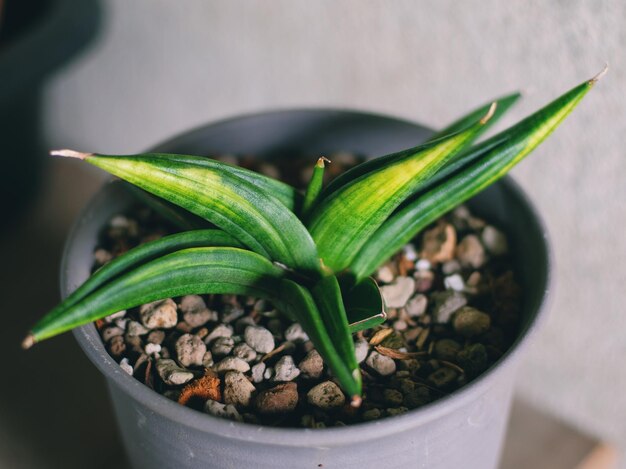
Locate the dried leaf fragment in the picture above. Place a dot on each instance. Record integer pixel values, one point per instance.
(201, 389)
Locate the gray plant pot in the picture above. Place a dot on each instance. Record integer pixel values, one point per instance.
(464, 429)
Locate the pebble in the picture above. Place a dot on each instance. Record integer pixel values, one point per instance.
(417, 305)
(385, 274)
(454, 282)
(372, 414)
(438, 243)
(232, 313)
(259, 338)
(473, 359)
(470, 252)
(242, 323)
(195, 311)
(268, 373)
(382, 364)
(126, 366)
(470, 322)
(451, 267)
(156, 337)
(221, 330)
(171, 373)
(222, 346)
(445, 304)
(114, 316)
(285, 369)
(326, 395)
(495, 241)
(424, 280)
(117, 346)
(102, 256)
(311, 365)
(237, 389)
(257, 372)
(423, 264)
(159, 314)
(109, 332)
(279, 399)
(397, 411)
(393, 397)
(232, 364)
(190, 350)
(397, 294)
(245, 352)
(442, 377)
(207, 359)
(134, 328)
(152, 349)
(295, 333)
(446, 349)
(361, 349)
(217, 409)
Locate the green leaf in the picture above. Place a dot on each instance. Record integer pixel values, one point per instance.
(492, 160)
(368, 200)
(314, 188)
(217, 193)
(148, 252)
(327, 295)
(364, 304)
(502, 105)
(301, 305)
(189, 271)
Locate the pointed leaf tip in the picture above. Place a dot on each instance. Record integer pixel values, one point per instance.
(490, 113)
(356, 401)
(28, 341)
(70, 154)
(599, 76)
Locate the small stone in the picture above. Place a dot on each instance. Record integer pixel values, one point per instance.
(424, 280)
(117, 346)
(361, 349)
(409, 252)
(372, 414)
(446, 349)
(232, 313)
(385, 274)
(268, 373)
(400, 325)
(295, 333)
(257, 372)
(114, 316)
(473, 359)
(221, 330)
(110, 332)
(245, 352)
(495, 241)
(242, 323)
(134, 343)
(134, 328)
(156, 337)
(207, 359)
(442, 377)
(126, 366)
(470, 252)
(171, 373)
(222, 346)
(397, 294)
(445, 304)
(232, 364)
(190, 350)
(381, 364)
(285, 369)
(279, 399)
(423, 264)
(102, 256)
(397, 411)
(454, 282)
(438, 243)
(392, 397)
(312, 365)
(259, 338)
(417, 305)
(326, 395)
(470, 322)
(416, 398)
(121, 323)
(152, 349)
(237, 389)
(159, 314)
(195, 311)
(451, 267)
(227, 411)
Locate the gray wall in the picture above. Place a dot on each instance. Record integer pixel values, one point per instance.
(162, 67)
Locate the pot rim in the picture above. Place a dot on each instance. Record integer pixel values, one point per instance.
(89, 340)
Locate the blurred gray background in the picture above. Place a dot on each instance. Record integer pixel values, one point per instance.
(162, 67)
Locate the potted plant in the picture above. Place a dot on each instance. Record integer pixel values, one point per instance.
(311, 256)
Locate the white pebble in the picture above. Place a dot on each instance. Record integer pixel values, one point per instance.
(171, 373)
(397, 294)
(495, 241)
(285, 369)
(269, 371)
(423, 264)
(114, 316)
(221, 330)
(409, 252)
(382, 364)
(152, 348)
(259, 338)
(385, 274)
(218, 409)
(454, 282)
(295, 333)
(159, 314)
(126, 366)
(361, 348)
(257, 372)
(232, 364)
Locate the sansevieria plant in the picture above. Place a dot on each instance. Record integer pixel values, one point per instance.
(310, 254)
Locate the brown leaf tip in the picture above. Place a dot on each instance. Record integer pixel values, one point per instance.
(28, 341)
(70, 154)
(597, 78)
(356, 401)
(321, 161)
(490, 113)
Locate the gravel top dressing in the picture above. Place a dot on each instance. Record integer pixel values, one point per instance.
(453, 309)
